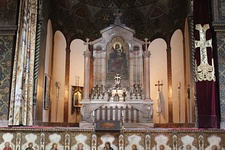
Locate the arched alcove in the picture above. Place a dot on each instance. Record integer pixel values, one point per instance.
(158, 72)
(76, 77)
(178, 82)
(47, 72)
(58, 77)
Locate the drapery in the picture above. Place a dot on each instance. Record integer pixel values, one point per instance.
(207, 101)
(21, 100)
(159, 103)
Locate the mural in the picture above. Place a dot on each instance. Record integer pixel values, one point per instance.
(6, 46)
(8, 11)
(88, 139)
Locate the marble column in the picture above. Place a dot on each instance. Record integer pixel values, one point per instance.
(87, 55)
(146, 55)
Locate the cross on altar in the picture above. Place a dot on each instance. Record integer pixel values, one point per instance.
(117, 78)
(117, 20)
(146, 42)
(87, 43)
(158, 84)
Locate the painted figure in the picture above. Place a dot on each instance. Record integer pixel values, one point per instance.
(7, 146)
(134, 147)
(108, 146)
(161, 147)
(80, 146)
(30, 146)
(188, 147)
(117, 61)
(54, 146)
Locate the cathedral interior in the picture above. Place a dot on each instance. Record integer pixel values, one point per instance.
(130, 74)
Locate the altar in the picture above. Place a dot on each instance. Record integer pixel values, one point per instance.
(120, 79)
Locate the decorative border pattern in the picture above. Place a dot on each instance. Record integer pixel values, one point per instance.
(221, 67)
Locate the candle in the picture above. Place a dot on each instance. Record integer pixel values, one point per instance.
(93, 113)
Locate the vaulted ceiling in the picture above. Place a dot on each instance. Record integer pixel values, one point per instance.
(149, 18)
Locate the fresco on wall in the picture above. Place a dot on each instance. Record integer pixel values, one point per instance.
(88, 139)
(6, 46)
(8, 11)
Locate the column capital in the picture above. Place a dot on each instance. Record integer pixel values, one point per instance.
(87, 54)
(146, 54)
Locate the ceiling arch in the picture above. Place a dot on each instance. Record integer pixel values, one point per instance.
(149, 18)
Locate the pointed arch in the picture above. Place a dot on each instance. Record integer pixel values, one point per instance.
(81, 11)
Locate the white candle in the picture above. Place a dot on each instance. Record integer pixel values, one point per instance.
(93, 113)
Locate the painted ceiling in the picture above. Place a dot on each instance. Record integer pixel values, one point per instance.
(149, 18)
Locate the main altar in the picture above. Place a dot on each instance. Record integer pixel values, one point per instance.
(120, 90)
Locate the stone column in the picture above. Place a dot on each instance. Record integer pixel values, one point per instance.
(67, 72)
(169, 74)
(146, 55)
(87, 55)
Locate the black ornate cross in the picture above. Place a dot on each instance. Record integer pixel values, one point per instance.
(158, 84)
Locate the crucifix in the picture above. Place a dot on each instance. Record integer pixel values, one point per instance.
(87, 43)
(146, 42)
(117, 78)
(117, 20)
(158, 84)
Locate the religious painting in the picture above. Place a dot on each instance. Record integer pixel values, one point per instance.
(54, 142)
(117, 59)
(54, 146)
(108, 140)
(30, 146)
(47, 85)
(134, 141)
(80, 141)
(108, 125)
(77, 92)
(7, 146)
